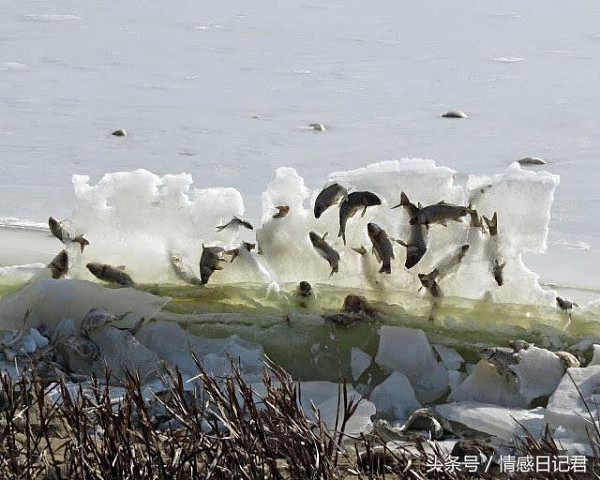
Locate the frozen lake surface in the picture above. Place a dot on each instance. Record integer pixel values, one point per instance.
(222, 90)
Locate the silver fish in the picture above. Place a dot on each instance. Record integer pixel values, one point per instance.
(416, 246)
(382, 247)
(498, 264)
(59, 264)
(325, 250)
(351, 204)
(450, 263)
(329, 196)
(565, 304)
(84, 346)
(429, 282)
(236, 222)
(64, 235)
(210, 261)
(439, 213)
(96, 318)
(305, 289)
(110, 274)
(282, 211)
(183, 272)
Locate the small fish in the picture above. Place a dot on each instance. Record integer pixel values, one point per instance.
(282, 211)
(210, 261)
(425, 419)
(565, 304)
(450, 263)
(96, 318)
(236, 251)
(84, 346)
(416, 246)
(60, 232)
(382, 247)
(497, 271)
(439, 213)
(492, 224)
(110, 274)
(59, 264)
(429, 282)
(497, 263)
(329, 196)
(325, 250)
(305, 289)
(501, 358)
(361, 250)
(352, 203)
(236, 222)
(476, 221)
(183, 272)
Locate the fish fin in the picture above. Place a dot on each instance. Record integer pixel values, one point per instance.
(396, 206)
(419, 206)
(401, 242)
(333, 270)
(363, 212)
(324, 235)
(404, 199)
(217, 267)
(441, 222)
(360, 250)
(344, 237)
(374, 252)
(441, 202)
(220, 227)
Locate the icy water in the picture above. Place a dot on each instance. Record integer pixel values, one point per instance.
(222, 89)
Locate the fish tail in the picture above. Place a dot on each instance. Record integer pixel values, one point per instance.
(386, 268)
(81, 241)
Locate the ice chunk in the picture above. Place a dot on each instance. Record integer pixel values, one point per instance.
(539, 372)
(486, 385)
(119, 216)
(408, 351)
(51, 301)
(324, 395)
(173, 344)
(494, 420)
(567, 408)
(596, 356)
(395, 397)
(123, 353)
(522, 200)
(450, 357)
(359, 362)
(129, 217)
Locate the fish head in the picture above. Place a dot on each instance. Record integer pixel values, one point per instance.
(373, 229)
(314, 238)
(304, 288)
(94, 267)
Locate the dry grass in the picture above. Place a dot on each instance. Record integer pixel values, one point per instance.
(222, 430)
